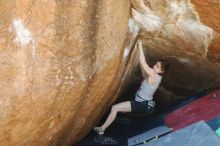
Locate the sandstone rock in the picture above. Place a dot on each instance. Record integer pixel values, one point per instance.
(208, 12)
(60, 67)
(191, 45)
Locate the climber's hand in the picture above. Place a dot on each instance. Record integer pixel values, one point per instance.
(139, 42)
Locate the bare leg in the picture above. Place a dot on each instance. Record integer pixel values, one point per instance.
(120, 107)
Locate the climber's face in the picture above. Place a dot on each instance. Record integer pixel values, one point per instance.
(157, 67)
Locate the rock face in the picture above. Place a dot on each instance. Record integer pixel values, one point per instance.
(187, 34)
(60, 66)
(208, 12)
(64, 62)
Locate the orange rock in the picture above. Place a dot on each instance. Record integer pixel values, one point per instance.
(187, 34)
(60, 67)
(208, 11)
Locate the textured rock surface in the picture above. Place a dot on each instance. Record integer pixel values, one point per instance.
(187, 34)
(60, 65)
(208, 12)
(64, 62)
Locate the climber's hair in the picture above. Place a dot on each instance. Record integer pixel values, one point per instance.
(164, 66)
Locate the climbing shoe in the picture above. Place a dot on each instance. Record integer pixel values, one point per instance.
(98, 130)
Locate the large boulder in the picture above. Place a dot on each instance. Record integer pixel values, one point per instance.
(61, 64)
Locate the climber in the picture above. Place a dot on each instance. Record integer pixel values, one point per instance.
(144, 96)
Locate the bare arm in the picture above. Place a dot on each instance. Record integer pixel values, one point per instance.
(145, 67)
(144, 75)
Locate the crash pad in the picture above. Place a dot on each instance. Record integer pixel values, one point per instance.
(204, 108)
(197, 134)
(218, 132)
(214, 123)
(148, 135)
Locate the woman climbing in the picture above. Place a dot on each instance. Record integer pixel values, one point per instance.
(144, 96)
